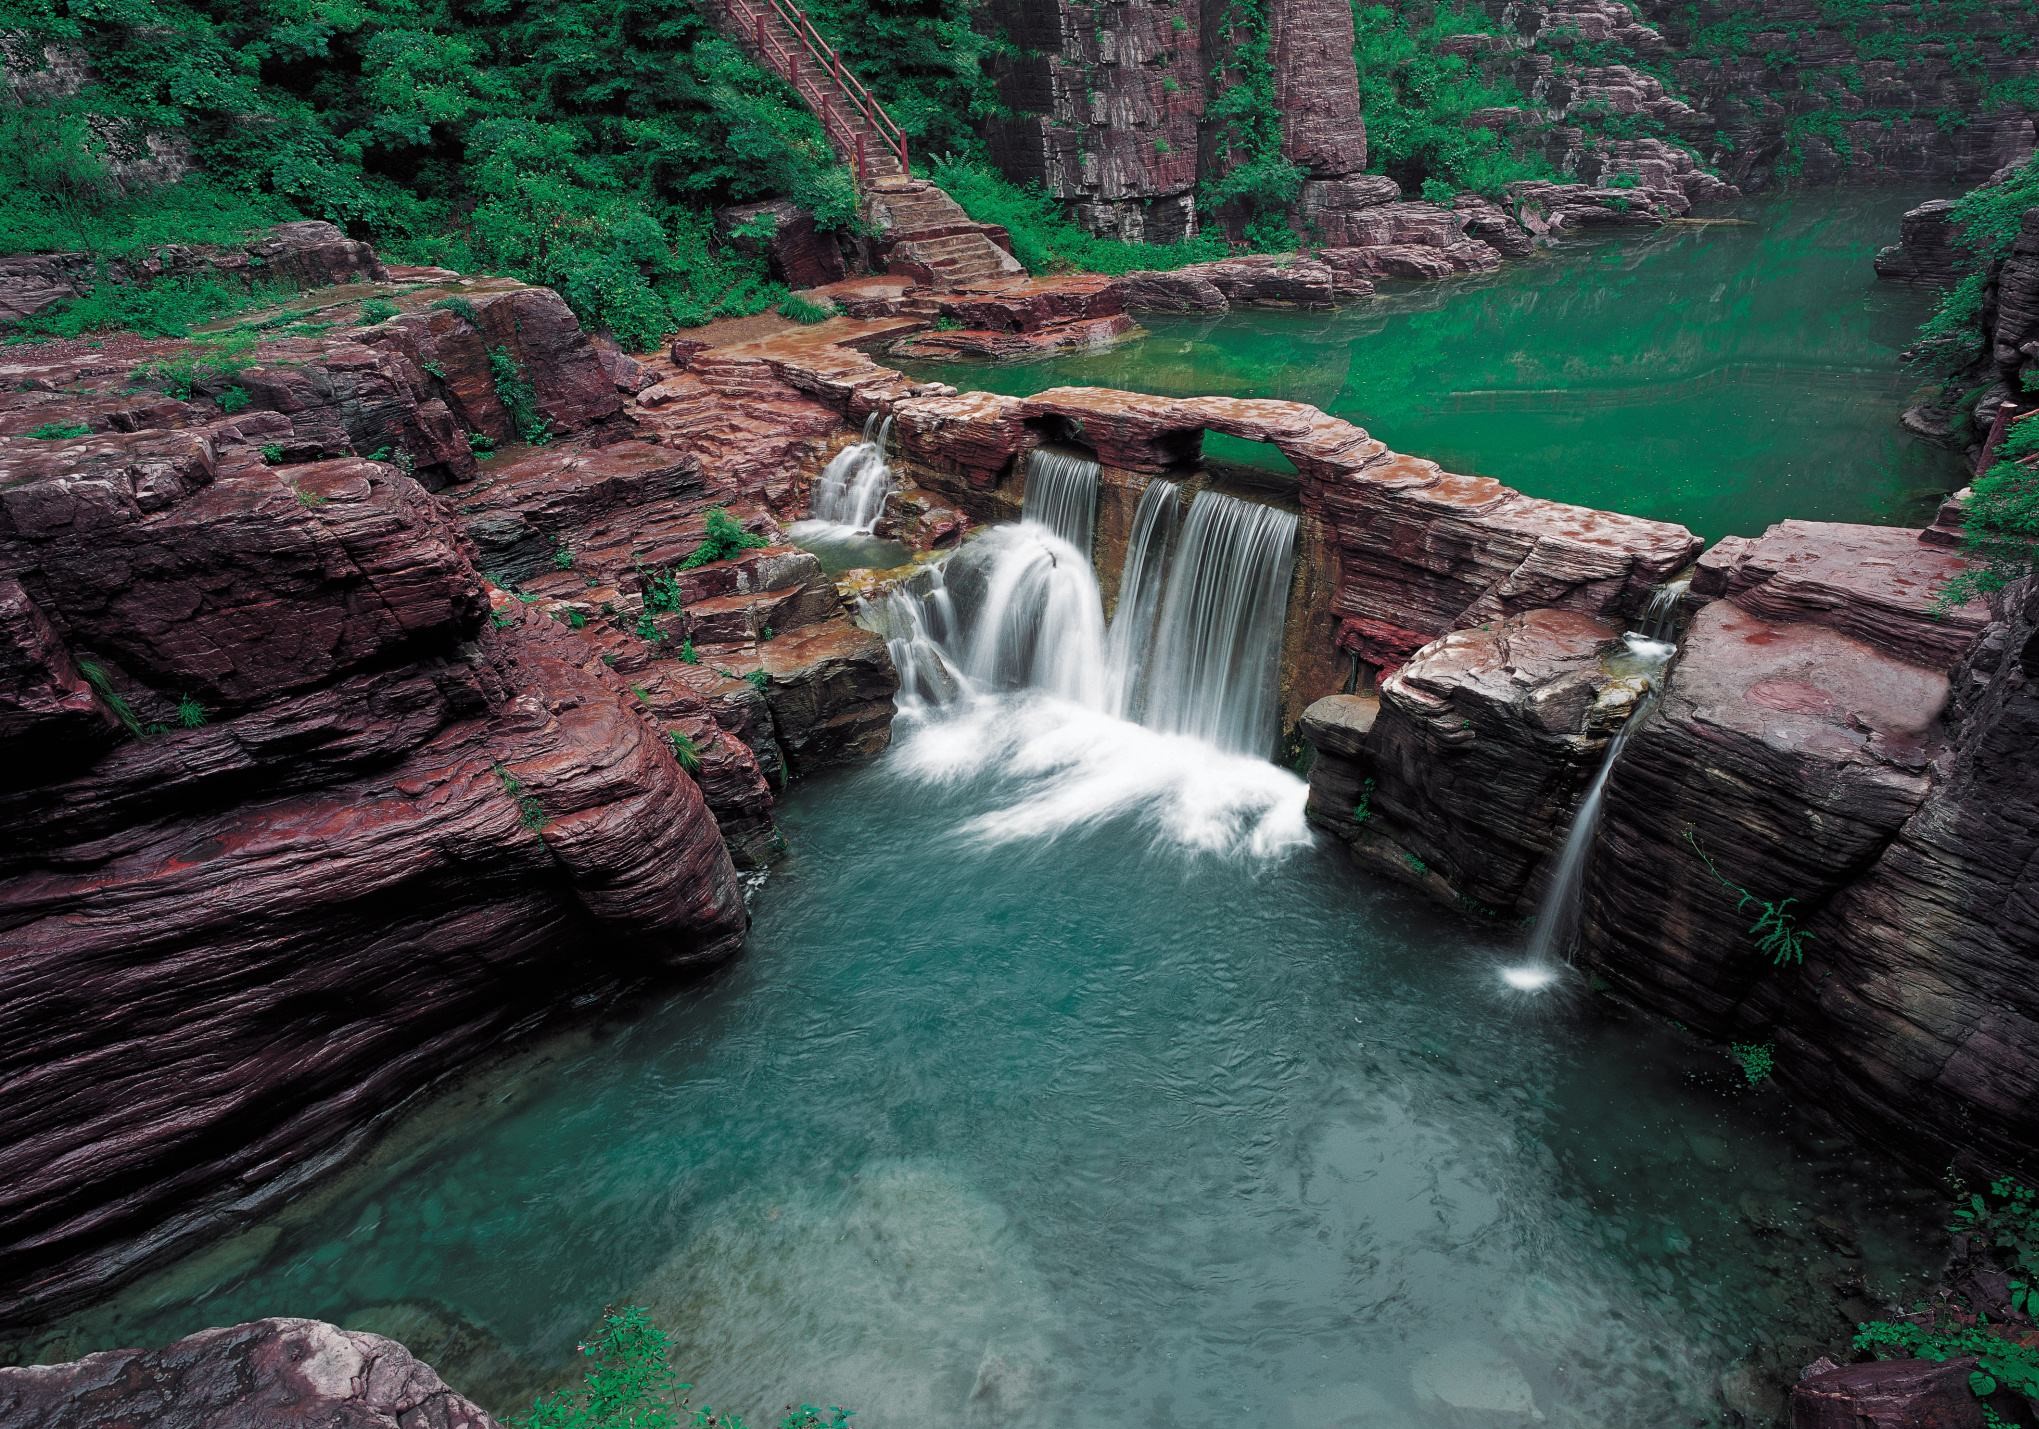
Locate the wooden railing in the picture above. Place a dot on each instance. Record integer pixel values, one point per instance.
(843, 96)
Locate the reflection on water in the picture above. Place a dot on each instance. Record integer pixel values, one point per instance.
(1725, 376)
(1066, 1082)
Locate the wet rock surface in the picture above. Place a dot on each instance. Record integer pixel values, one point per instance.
(250, 1376)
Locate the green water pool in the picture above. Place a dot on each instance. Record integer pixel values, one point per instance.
(1065, 1082)
(1725, 375)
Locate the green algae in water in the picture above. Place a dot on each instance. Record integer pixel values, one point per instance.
(1722, 375)
(1024, 1111)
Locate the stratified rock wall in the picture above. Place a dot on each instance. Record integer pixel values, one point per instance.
(1103, 107)
(323, 783)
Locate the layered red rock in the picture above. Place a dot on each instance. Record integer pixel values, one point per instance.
(249, 1376)
(374, 829)
(1829, 748)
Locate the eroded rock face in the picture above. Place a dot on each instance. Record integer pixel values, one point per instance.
(325, 784)
(302, 255)
(1477, 752)
(1924, 252)
(251, 1376)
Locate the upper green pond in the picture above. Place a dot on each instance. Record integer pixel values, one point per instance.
(1723, 375)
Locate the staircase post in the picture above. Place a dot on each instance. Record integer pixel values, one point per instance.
(860, 156)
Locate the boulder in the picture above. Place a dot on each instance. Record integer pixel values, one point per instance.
(250, 1376)
(1888, 1394)
(1925, 251)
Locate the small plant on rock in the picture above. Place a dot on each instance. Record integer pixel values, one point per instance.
(57, 431)
(519, 397)
(234, 399)
(1363, 810)
(562, 558)
(530, 813)
(725, 537)
(377, 310)
(685, 750)
(190, 713)
(1756, 1059)
(806, 311)
(102, 686)
(1775, 930)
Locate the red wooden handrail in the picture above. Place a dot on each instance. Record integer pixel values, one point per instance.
(751, 16)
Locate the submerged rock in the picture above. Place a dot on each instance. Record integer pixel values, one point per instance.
(251, 1376)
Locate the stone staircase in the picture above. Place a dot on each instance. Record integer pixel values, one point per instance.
(922, 232)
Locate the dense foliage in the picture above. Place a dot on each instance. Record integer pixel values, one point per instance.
(631, 1384)
(571, 143)
(2000, 523)
(1257, 184)
(923, 59)
(1987, 220)
(1419, 101)
(2003, 1228)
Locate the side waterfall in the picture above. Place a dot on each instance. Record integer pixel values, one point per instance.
(1217, 645)
(1061, 494)
(1653, 641)
(1141, 584)
(852, 488)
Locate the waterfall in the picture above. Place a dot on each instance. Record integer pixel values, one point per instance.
(1217, 642)
(852, 488)
(1041, 622)
(1550, 942)
(1658, 628)
(918, 620)
(1141, 583)
(1061, 494)
(1194, 649)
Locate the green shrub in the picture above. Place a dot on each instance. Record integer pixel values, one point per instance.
(234, 399)
(562, 557)
(169, 307)
(56, 431)
(1756, 1059)
(204, 365)
(190, 713)
(2000, 521)
(805, 311)
(377, 310)
(725, 537)
(519, 398)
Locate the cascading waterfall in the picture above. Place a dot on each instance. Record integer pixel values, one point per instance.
(852, 488)
(1218, 637)
(1141, 584)
(1061, 494)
